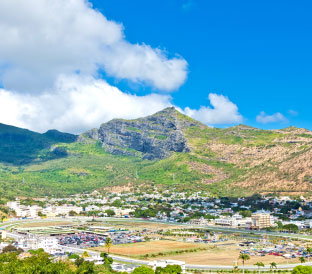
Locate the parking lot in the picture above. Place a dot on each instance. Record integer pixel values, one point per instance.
(86, 240)
(286, 251)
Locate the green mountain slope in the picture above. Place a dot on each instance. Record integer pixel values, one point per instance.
(234, 161)
(21, 146)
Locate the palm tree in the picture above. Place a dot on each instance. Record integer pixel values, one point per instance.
(244, 257)
(302, 259)
(309, 251)
(259, 264)
(85, 254)
(273, 265)
(108, 244)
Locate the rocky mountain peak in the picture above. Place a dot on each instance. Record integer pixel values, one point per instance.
(152, 137)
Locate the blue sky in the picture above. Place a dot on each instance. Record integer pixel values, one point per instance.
(258, 53)
(72, 65)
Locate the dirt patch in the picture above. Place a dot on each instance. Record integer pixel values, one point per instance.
(218, 174)
(151, 247)
(140, 225)
(119, 189)
(225, 256)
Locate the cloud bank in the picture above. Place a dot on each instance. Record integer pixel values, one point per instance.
(50, 57)
(46, 38)
(264, 118)
(75, 105)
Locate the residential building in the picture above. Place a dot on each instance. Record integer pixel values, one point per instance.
(261, 219)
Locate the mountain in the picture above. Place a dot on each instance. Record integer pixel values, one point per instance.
(153, 137)
(22, 146)
(167, 149)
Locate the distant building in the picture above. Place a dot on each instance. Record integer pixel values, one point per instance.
(200, 221)
(226, 222)
(3, 234)
(261, 220)
(48, 244)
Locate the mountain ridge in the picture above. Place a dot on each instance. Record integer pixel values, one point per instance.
(167, 149)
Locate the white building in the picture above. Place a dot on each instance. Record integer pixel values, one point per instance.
(53, 211)
(226, 222)
(24, 211)
(48, 244)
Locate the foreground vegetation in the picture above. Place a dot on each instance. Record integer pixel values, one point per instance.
(42, 263)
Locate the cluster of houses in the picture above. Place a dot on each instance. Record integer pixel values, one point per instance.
(183, 207)
(35, 211)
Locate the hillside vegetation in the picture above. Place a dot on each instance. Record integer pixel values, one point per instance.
(172, 151)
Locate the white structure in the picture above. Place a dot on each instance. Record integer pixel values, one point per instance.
(24, 211)
(3, 234)
(53, 211)
(48, 244)
(226, 222)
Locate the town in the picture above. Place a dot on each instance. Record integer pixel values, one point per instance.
(179, 228)
(255, 212)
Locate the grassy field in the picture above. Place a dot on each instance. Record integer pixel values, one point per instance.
(45, 224)
(140, 225)
(221, 254)
(152, 247)
(225, 255)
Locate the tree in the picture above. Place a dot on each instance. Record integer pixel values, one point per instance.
(85, 254)
(273, 265)
(72, 213)
(40, 214)
(309, 251)
(107, 260)
(259, 264)
(301, 260)
(9, 248)
(302, 270)
(244, 258)
(37, 251)
(108, 244)
(40, 262)
(169, 269)
(291, 227)
(279, 225)
(173, 269)
(245, 213)
(109, 212)
(79, 261)
(73, 256)
(143, 270)
(86, 268)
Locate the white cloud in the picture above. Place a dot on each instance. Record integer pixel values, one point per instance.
(293, 112)
(50, 56)
(223, 111)
(264, 118)
(45, 38)
(75, 105)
